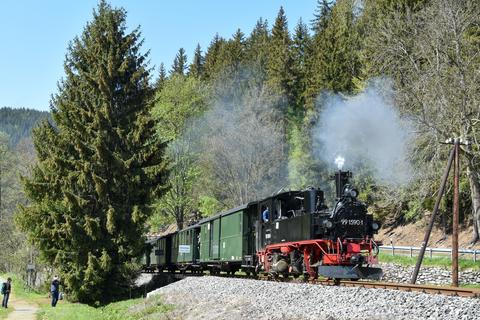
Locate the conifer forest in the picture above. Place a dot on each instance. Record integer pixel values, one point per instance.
(131, 146)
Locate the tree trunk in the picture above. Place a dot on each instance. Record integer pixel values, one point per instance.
(475, 194)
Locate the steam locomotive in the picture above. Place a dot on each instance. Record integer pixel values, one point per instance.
(301, 236)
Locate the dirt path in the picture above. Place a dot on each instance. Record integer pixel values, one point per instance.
(22, 310)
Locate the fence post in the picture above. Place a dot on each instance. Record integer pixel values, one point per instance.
(431, 253)
(474, 255)
(411, 252)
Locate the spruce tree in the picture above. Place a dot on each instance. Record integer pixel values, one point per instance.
(179, 63)
(99, 165)
(322, 15)
(196, 68)
(335, 60)
(231, 55)
(301, 51)
(211, 57)
(162, 77)
(280, 62)
(256, 51)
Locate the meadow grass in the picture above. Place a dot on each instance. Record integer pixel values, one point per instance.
(446, 262)
(132, 309)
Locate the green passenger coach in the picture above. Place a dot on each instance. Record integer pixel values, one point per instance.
(226, 238)
(185, 250)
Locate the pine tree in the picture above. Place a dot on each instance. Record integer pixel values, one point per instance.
(256, 51)
(179, 63)
(98, 166)
(301, 51)
(211, 57)
(280, 62)
(162, 77)
(335, 60)
(231, 55)
(196, 68)
(322, 15)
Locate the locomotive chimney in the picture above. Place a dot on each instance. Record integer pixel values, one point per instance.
(341, 179)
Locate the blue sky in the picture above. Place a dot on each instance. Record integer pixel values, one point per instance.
(34, 35)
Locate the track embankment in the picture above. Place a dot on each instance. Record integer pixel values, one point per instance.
(213, 297)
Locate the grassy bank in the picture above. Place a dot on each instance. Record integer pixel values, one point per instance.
(152, 308)
(463, 264)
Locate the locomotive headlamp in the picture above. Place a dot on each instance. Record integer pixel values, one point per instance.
(327, 224)
(375, 226)
(354, 193)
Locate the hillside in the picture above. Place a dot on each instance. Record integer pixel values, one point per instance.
(18, 123)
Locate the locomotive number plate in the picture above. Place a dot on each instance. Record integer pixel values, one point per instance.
(351, 222)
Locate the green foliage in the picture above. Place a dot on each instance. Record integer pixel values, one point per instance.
(180, 101)
(99, 168)
(209, 206)
(301, 165)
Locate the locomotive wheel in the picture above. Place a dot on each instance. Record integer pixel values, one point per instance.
(306, 276)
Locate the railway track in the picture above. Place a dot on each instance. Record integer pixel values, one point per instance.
(430, 289)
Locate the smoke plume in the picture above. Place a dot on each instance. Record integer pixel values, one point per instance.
(367, 132)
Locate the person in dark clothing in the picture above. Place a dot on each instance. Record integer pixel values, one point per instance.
(6, 289)
(55, 290)
(266, 215)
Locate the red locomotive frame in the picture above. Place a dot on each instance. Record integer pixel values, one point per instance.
(323, 252)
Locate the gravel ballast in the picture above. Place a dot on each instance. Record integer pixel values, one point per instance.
(432, 275)
(221, 298)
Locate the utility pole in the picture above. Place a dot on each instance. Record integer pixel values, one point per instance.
(456, 170)
(454, 155)
(432, 218)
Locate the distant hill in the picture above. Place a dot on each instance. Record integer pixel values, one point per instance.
(18, 123)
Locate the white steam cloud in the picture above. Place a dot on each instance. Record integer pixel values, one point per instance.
(364, 131)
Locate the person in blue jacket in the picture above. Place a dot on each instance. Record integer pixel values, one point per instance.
(55, 290)
(266, 215)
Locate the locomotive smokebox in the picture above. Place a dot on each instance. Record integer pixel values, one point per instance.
(341, 179)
